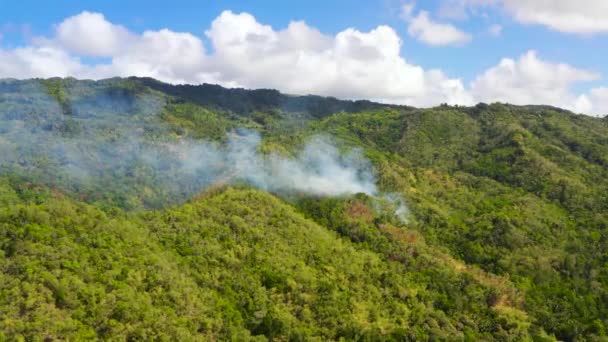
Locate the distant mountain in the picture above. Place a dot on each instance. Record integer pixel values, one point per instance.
(132, 209)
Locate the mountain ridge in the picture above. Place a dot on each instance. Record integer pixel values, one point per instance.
(278, 98)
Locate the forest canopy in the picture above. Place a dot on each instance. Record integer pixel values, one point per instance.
(131, 209)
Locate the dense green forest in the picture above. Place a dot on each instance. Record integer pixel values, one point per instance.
(134, 210)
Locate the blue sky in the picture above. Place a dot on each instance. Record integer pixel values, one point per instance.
(449, 35)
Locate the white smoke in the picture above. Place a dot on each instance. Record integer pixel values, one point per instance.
(116, 141)
(114, 144)
(400, 208)
(317, 169)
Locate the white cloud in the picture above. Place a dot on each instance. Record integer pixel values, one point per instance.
(581, 16)
(599, 100)
(171, 56)
(164, 54)
(430, 32)
(495, 30)
(297, 59)
(582, 104)
(45, 61)
(531, 80)
(407, 10)
(91, 34)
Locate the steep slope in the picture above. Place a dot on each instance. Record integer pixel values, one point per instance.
(517, 191)
(236, 264)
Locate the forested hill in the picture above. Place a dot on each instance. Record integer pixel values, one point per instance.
(131, 209)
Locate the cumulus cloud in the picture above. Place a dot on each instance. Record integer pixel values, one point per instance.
(91, 34)
(423, 28)
(599, 100)
(531, 80)
(171, 56)
(39, 61)
(297, 59)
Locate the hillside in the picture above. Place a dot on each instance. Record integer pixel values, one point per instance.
(133, 209)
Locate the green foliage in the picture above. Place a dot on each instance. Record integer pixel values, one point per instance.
(506, 239)
(236, 264)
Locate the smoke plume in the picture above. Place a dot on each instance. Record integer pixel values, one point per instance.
(317, 169)
(100, 140)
